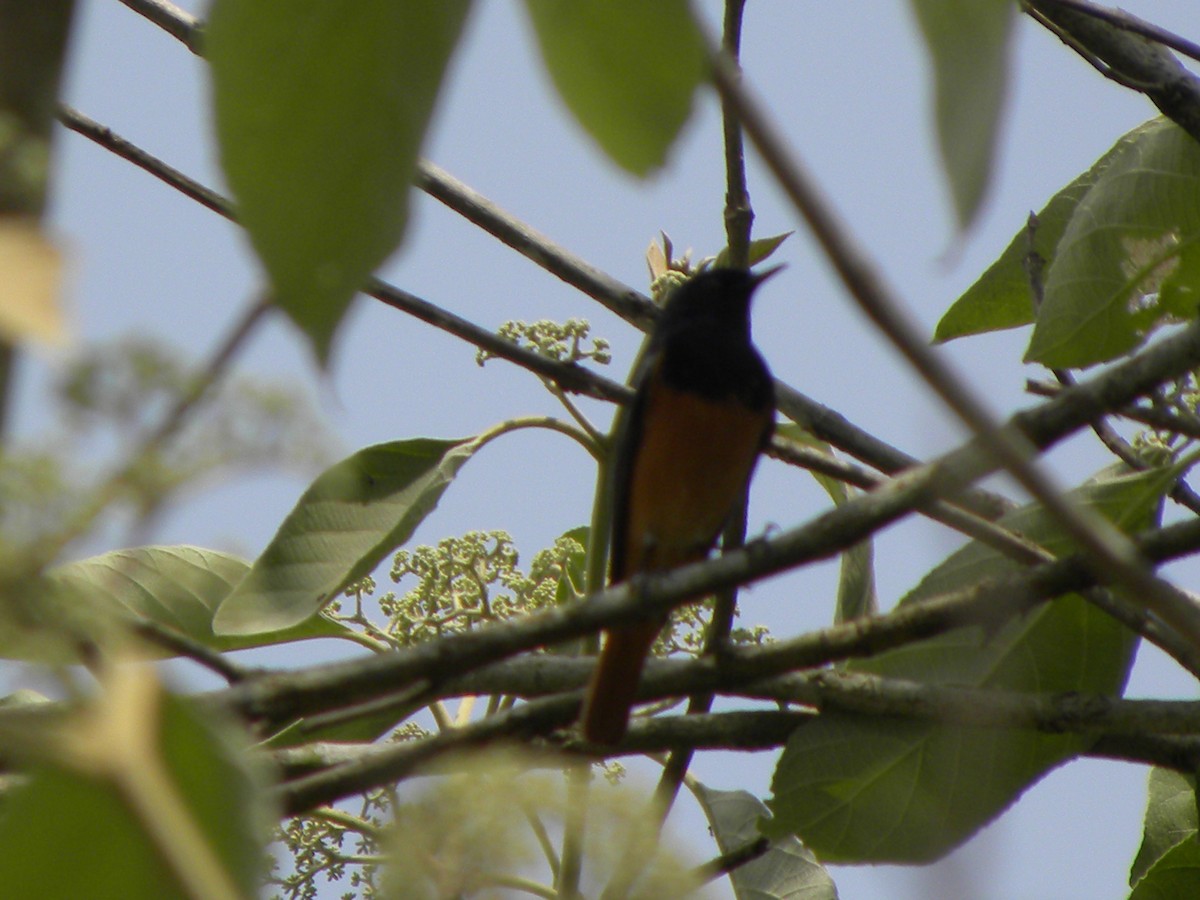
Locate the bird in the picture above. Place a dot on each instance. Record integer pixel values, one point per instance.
(682, 457)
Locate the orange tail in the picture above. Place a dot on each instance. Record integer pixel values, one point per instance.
(615, 682)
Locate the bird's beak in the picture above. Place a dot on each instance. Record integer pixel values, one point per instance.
(759, 277)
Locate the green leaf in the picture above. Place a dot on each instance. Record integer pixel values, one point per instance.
(968, 42)
(178, 588)
(1170, 820)
(1175, 875)
(787, 871)
(573, 583)
(68, 832)
(321, 109)
(97, 601)
(856, 594)
(626, 69)
(1127, 260)
(1002, 297)
(351, 517)
(759, 250)
(861, 788)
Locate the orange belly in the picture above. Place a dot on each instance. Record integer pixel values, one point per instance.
(689, 474)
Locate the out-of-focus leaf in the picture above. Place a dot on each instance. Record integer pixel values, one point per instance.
(968, 43)
(124, 775)
(321, 109)
(351, 517)
(33, 41)
(626, 69)
(31, 286)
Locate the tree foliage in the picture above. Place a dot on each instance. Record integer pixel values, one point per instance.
(900, 733)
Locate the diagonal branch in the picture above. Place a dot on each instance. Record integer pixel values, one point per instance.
(1130, 53)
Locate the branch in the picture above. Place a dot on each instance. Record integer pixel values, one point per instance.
(739, 215)
(734, 859)
(281, 698)
(1011, 544)
(1131, 52)
(178, 23)
(385, 764)
(1132, 729)
(570, 376)
(1179, 753)
(739, 220)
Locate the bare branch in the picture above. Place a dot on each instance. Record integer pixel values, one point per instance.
(178, 23)
(1133, 53)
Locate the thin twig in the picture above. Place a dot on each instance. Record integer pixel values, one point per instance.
(570, 376)
(734, 859)
(182, 645)
(739, 214)
(170, 18)
(1013, 545)
(1102, 717)
(824, 422)
(147, 162)
(394, 762)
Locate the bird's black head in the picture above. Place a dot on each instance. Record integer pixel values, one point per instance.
(722, 295)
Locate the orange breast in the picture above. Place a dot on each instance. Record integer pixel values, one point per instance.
(694, 458)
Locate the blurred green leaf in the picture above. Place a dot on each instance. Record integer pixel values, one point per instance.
(626, 69)
(1127, 259)
(861, 789)
(1170, 821)
(321, 109)
(73, 832)
(968, 43)
(351, 517)
(33, 42)
(787, 871)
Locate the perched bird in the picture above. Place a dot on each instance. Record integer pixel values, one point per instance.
(704, 408)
